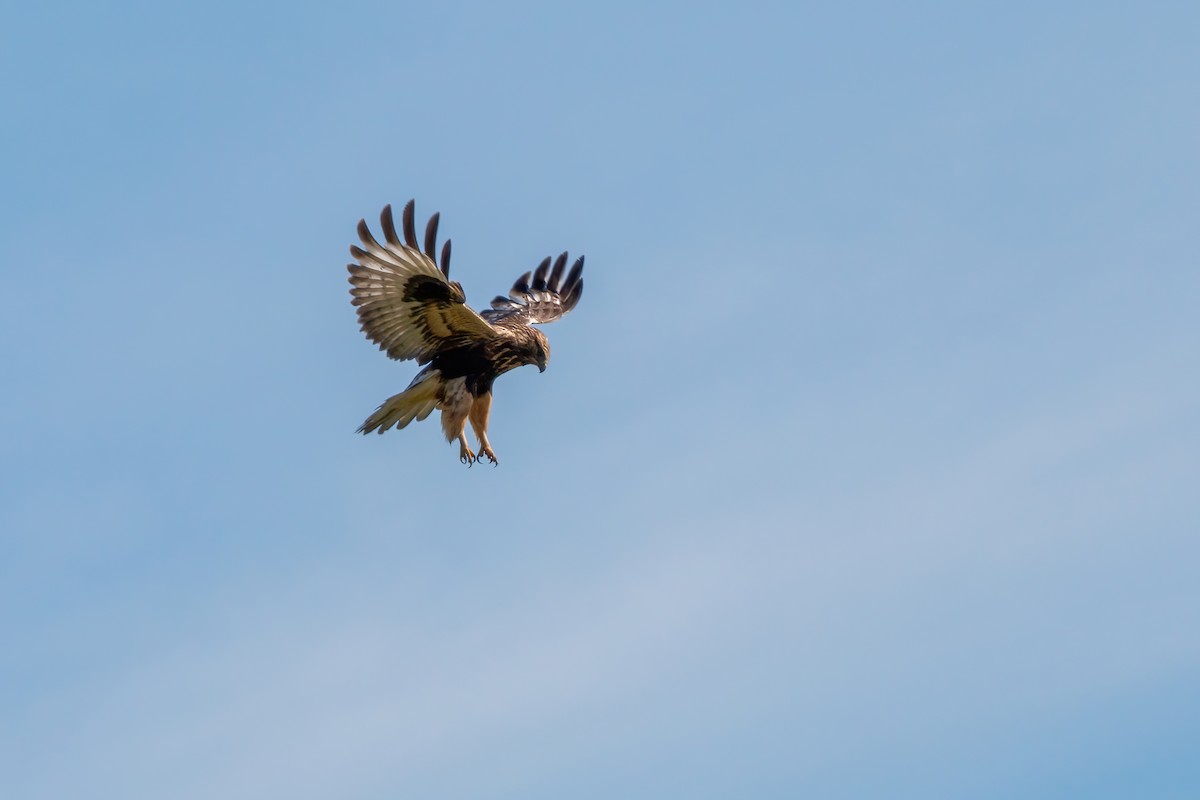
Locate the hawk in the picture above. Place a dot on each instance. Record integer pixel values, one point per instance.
(412, 310)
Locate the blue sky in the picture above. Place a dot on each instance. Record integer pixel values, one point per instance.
(866, 467)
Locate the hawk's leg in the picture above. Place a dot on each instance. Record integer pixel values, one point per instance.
(465, 455)
(455, 403)
(479, 422)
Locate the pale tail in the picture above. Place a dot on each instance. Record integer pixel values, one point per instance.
(416, 402)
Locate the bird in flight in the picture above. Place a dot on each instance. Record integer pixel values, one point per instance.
(412, 310)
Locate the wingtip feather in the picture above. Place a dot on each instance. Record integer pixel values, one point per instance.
(406, 219)
(539, 275)
(431, 236)
(521, 285)
(556, 275)
(573, 277)
(388, 222)
(572, 298)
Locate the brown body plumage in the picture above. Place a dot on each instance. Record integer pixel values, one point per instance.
(412, 310)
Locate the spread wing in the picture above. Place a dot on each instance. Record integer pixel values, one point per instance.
(541, 295)
(406, 305)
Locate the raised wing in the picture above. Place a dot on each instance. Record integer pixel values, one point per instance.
(541, 295)
(406, 305)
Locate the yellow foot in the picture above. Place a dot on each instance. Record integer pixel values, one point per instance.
(466, 456)
(486, 451)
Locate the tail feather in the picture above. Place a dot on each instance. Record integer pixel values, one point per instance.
(416, 402)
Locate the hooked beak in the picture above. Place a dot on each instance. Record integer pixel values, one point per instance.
(541, 366)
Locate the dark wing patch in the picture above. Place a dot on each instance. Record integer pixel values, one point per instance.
(406, 304)
(539, 296)
(423, 289)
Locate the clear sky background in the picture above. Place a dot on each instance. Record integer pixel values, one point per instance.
(866, 468)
